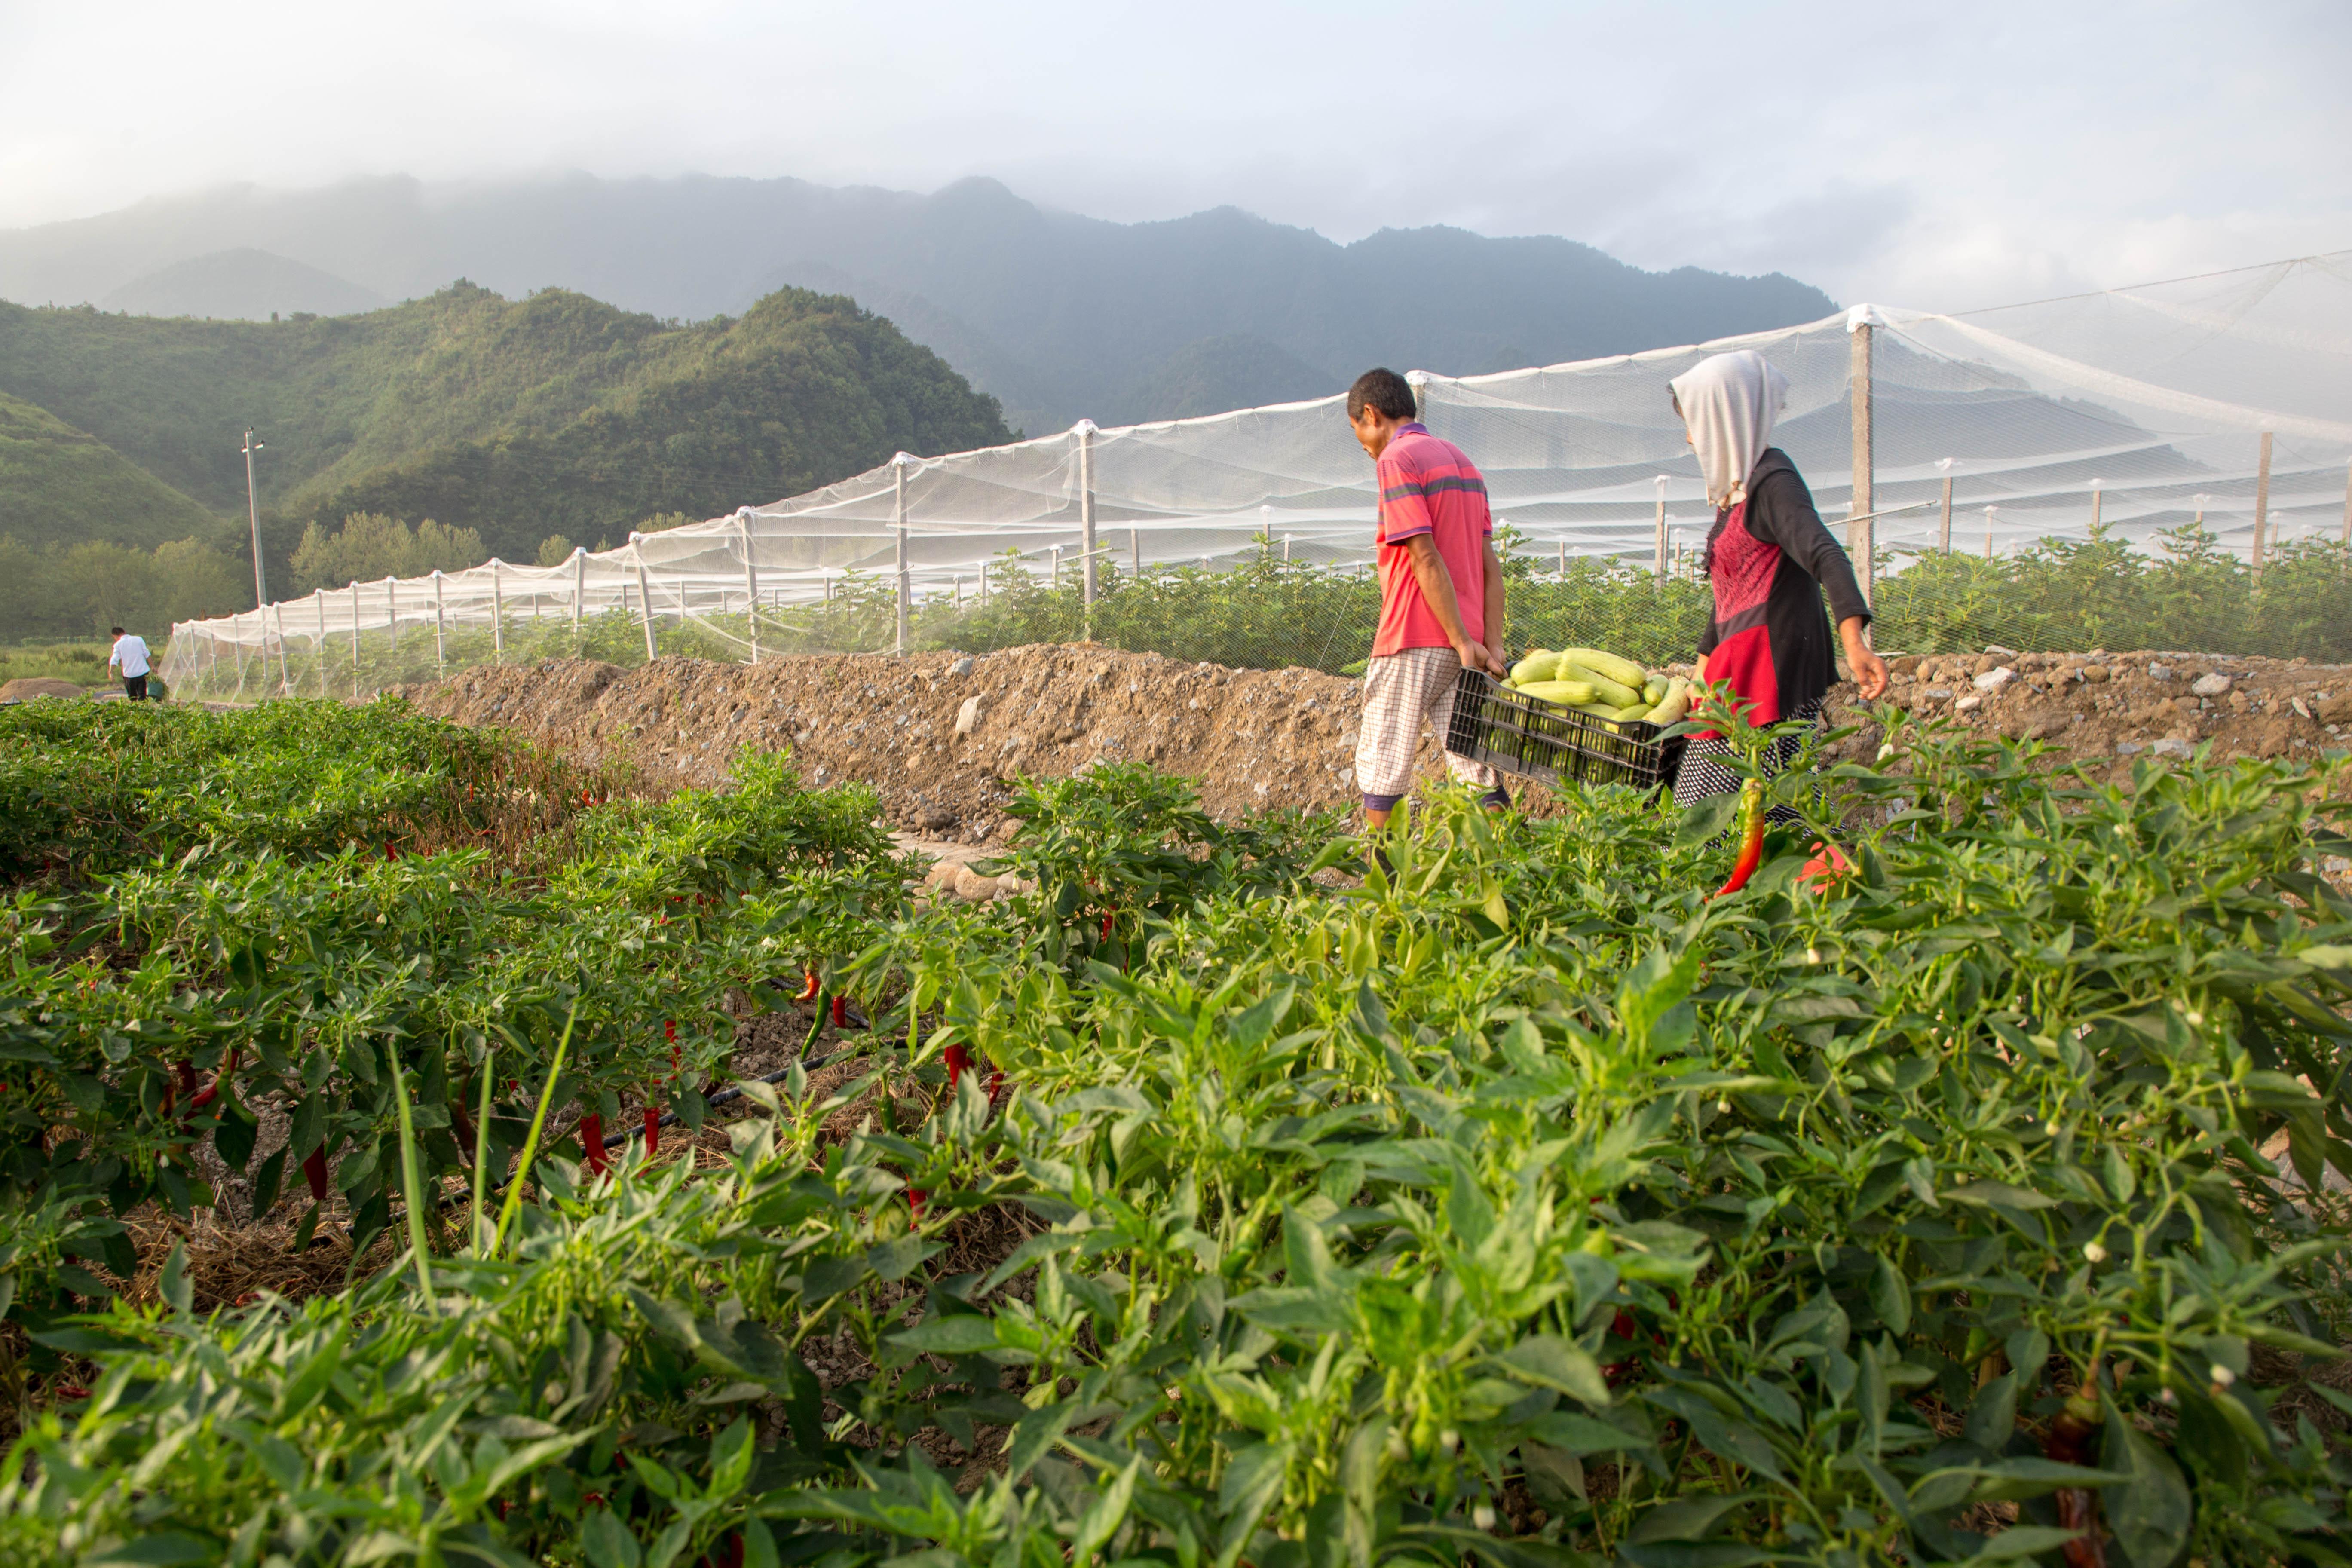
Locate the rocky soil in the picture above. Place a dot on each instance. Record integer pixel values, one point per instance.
(2113, 707)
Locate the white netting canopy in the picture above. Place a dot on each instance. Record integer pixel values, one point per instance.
(2226, 398)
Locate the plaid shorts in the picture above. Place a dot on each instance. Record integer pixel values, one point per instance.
(1402, 693)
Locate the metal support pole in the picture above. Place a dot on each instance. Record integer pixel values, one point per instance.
(1286, 549)
(1658, 544)
(750, 582)
(983, 585)
(1563, 559)
(579, 587)
(2348, 504)
(285, 671)
(2262, 504)
(1944, 528)
(2098, 495)
(1054, 578)
(237, 626)
(645, 596)
(1860, 540)
(355, 640)
(319, 599)
(498, 613)
(440, 625)
(1134, 538)
(1989, 511)
(899, 466)
(1085, 429)
(391, 615)
(253, 516)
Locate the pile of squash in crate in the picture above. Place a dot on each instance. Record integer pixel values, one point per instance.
(1601, 684)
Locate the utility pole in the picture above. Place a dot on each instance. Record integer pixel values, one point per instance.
(253, 516)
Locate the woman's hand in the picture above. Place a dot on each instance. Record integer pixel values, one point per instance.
(1869, 669)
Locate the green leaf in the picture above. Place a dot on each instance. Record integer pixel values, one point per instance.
(2149, 1510)
(607, 1541)
(174, 1285)
(1890, 1296)
(1998, 1195)
(2023, 1540)
(1547, 1361)
(962, 1334)
(1707, 819)
(164, 1549)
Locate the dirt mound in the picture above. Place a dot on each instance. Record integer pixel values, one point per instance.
(24, 689)
(941, 735)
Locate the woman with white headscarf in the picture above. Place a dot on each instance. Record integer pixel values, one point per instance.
(1769, 561)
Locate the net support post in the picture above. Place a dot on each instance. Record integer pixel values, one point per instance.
(645, 594)
(392, 615)
(498, 613)
(2348, 504)
(1658, 539)
(236, 626)
(440, 625)
(1943, 528)
(1861, 323)
(750, 580)
(1085, 431)
(356, 692)
(899, 463)
(2098, 500)
(285, 671)
(579, 589)
(1989, 511)
(2262, 504)
(318, 602)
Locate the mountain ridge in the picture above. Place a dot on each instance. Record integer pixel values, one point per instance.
(1056, 313)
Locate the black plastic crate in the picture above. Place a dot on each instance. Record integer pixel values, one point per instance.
(1535, 740)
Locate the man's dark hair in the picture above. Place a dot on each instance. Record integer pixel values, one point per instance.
(1383, 390)
(115, 633)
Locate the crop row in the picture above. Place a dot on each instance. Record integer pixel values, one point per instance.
(1267, 612)
(1512, 1200)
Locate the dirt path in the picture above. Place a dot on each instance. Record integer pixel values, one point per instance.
(941, 736)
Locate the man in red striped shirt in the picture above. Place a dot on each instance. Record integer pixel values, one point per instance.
(1435, 538)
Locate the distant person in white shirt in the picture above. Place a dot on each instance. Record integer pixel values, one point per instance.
(130, 653)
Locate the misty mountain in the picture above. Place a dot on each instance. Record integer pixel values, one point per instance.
(244, 285)
(1059, 315)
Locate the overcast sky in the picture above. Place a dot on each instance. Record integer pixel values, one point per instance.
(1942, 156)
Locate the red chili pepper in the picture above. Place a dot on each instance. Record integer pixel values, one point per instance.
(2069, 1442)
(389, 852)
(670, 1030)
(653, 1130)
(808, 987)
(465, 1125)
(728, 1553)
(72, 1391)
(916, 1198)
(1106, 927)
(1751, 836)
(314, 1170)
(592, 1140)
(959, 1063)
(841, 1011)
(1828, 865)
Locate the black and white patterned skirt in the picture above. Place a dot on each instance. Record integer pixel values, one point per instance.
(1702, 773)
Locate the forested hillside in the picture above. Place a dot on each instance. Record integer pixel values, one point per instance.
(517, 419)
